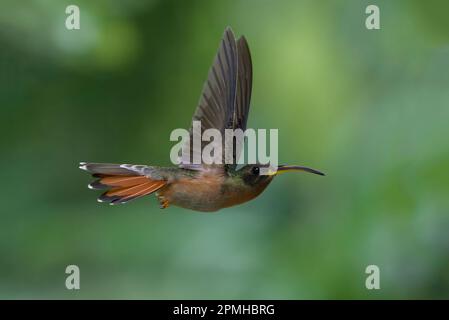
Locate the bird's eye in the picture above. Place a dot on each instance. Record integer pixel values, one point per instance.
(255, 170)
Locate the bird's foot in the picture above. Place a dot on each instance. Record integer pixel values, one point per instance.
(163, 202)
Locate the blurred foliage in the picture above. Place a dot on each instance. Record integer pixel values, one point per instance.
(370, 108)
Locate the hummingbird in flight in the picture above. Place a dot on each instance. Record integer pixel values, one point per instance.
(224, 104)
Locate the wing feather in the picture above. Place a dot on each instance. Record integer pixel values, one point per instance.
(224, 101)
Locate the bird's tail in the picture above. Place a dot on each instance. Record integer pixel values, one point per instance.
(123, 182)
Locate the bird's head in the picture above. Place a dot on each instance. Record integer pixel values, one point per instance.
(253, 175)
(252, 179)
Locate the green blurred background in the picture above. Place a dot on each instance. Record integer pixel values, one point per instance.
(369, 108)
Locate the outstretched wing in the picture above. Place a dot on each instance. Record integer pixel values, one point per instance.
(225, 99)
(244, 85)
(243, 98)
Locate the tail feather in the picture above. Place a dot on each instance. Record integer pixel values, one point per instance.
(117, 181)
(105, 168)
(122, 182)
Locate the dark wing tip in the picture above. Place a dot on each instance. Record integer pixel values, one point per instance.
(242, 44)
(229, 34)
(243, 39)
(228, 29)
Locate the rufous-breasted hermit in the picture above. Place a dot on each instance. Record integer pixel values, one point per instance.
(224, 104)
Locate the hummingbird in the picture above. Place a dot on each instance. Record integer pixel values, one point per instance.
(224, 104)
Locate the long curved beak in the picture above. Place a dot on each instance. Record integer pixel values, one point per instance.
(284, 168)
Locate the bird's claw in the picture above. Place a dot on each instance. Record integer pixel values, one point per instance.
(163, 202)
